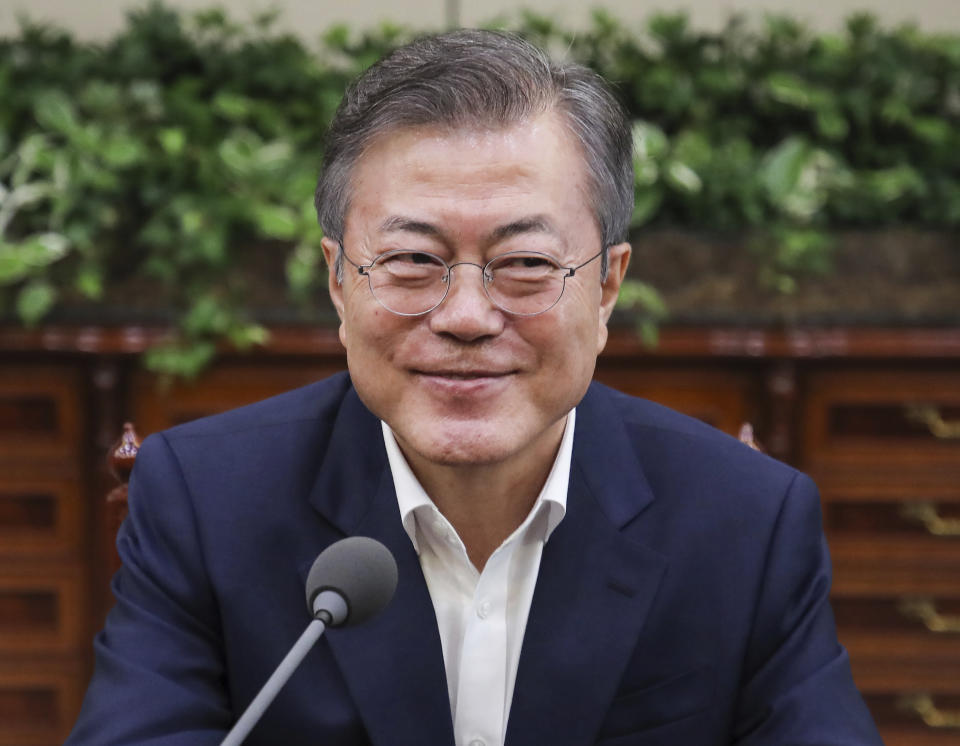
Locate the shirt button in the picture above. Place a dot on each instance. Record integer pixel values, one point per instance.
(477, 742)
(482, 611)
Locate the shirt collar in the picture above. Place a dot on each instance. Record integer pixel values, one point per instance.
(412, 498)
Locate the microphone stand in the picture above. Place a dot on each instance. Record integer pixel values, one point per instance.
(329, 608)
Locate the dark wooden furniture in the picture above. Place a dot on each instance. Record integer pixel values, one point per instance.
(870, 413)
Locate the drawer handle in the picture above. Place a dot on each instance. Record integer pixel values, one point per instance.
(923, 706)
(931, 417)
(924, 610)
(925, 513)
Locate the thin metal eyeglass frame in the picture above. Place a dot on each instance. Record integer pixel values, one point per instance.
(362, 269)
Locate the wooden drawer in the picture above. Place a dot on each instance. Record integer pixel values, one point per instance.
(222, 388)
(902, 719)
(891, 547)
(39, 419)
(39, 517)
(884, 431)
(902, 643)
(721, 398)
(41, 610)
(864, 567)
(40, 702)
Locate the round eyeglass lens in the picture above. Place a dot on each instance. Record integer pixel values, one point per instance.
(408, 282)
(524, 283)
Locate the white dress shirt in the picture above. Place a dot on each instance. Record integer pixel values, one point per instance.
(481, 616)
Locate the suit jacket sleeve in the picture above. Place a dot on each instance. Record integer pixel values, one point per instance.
(797, 686)
(159, 668)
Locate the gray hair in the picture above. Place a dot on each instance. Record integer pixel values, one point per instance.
(476, 78)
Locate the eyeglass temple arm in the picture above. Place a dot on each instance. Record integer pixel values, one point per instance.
(361, 268)
(571, 271)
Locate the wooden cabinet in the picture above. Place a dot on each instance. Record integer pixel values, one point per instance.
(883, 443)
(45, 617)
(871, 415)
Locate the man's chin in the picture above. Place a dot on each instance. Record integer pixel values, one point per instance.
(459, 446)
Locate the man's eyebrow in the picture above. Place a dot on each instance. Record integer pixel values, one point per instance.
(400, 223)
(534, 224)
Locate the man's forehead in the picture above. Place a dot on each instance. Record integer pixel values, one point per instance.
(470, 134)
(505, 147)
(526, 224)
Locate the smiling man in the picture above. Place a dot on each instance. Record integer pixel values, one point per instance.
(576, 566)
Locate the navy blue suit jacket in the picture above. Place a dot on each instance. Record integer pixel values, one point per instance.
(682, 601)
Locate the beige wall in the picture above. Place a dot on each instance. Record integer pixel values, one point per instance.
(101, 18)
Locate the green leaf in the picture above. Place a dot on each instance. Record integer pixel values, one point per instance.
(302, 268)
(12, 266)
(683, 178)
(273, 156)
(44, 249)
(636, 295)
(180, 359)
(694, 149)
(172, 140)
(35, 300)
(782, 167)
(238, 153)
(649, 141)
(122, 151)
(55, 111)
(231, 106)
(31, 193)
(789, 89)
(832, 124)
(649, 333)
(89, 282)
(646, 203)
(207, 316)
(245, 336)
(275, 221)
(938, 132)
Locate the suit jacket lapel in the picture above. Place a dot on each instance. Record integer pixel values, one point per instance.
(393, 664)
(593, 592)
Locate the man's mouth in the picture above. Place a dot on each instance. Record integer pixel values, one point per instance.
(464, 375)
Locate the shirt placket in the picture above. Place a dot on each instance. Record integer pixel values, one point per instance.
(479, 719)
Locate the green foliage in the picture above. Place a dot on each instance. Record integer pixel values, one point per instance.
(174, 150)
(168, 153)
(782, 134)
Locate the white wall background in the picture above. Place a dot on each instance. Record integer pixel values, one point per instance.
(93, 19)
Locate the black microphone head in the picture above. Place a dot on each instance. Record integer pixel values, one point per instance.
(360, 569)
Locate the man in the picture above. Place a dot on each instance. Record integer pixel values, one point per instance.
(576, 566)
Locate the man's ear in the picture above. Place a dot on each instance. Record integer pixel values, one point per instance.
(618, 257)
(330, 250)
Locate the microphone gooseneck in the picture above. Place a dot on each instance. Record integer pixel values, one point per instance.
(350, 581)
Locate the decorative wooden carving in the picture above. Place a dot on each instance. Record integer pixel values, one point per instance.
(120, 463)
(746, 436)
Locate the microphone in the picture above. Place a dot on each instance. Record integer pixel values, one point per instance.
(350, 581)
(355, 576)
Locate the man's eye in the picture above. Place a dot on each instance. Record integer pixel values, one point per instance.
(407, 257)
(524, 264)
(409, 265)
(535, 262)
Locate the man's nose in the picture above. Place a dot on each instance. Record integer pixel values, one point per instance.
(467, 312)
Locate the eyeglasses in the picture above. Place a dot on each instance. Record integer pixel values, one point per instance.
(413, 283)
